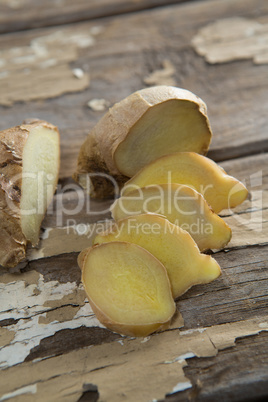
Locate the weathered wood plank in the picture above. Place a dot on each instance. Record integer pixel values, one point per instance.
(235, 374)
(241, 291)
(47, 299)
(119, 54)
(126, 370)
(27, 14)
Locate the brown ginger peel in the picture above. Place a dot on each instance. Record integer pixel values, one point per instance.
(142, 127)
(29, 166)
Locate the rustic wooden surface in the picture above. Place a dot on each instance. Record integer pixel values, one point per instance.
(51, 345)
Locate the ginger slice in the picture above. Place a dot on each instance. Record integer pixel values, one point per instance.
(182, 206)
(219, 189)
(146, 125)
(170, 244)
(29, 167)
(128, 288)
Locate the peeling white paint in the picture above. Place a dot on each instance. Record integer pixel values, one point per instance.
(263, 325)
(78, 73)
(146, 339)
(188, 355)
(27, 304)
(29, 332)
(181, 359)
(98, 105)
(29, 389)
(231, 39)
(181, 386)
(21, 301)
(191, 331)
(53, 52)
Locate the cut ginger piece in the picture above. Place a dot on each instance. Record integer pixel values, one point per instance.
(182, 206)
(170, 244)
(149, 123)
(218, 188)
(128, 288)
(29, 168)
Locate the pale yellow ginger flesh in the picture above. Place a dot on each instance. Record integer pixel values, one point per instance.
(146, 125)
(40, 169)
(29, 167)
(170, 244)
(219, 189)
(175, 125)
(128, 288)
(182, 206)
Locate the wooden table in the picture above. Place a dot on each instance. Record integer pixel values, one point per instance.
(56, 59)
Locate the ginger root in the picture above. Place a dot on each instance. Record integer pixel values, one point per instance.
(170, 244)
(29, 167)
(182, 206)
(205, 176)
(128, 288)
(149, 123)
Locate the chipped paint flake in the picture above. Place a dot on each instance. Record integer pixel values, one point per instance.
(191, 331)
(181, 386)
(29, 389)
(263, 325)
(98, 105)
(53, 52)
(109, 365)
(163, 76)
(20, 297)
(233, 39)
(22, 302)
(146, 339)
(78, 73)
(41, 310)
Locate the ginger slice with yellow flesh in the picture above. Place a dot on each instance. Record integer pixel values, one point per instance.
(128, 288)
(29, 167)
(182, 206)
(142, 127)
(219, 189)
(170, 244)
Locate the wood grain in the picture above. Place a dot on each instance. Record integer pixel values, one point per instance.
(217, 376)
(28, 14)
(241, 291)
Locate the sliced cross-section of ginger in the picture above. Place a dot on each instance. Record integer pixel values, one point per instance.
(128, 288)
(146, 125)
(29, 167)
(219, 189)
(170, 244)
(182, 206)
